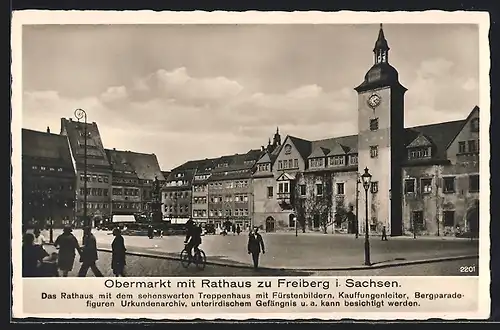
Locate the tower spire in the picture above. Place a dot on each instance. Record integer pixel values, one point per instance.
(381, 49)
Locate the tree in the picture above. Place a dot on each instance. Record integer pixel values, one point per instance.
(320, 204)
(299, 203)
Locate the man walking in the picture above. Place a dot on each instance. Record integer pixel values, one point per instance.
(88, 256)
(351, 221)
(255, 246)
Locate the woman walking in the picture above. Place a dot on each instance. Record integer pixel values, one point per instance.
(67, 245)
(118, 253)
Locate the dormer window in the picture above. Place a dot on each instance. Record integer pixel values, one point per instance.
(337, 160)
(317, 162)
(474, 125)
(419, 153)
(264, 167)
(353, 159)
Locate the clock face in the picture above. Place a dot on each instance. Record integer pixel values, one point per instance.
(374, 101)
(288, 149)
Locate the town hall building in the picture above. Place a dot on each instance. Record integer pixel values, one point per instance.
(425, 179)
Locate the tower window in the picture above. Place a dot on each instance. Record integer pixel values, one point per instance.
(373, 151)
(374, 124)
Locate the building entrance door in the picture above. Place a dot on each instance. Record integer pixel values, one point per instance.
(270, 223)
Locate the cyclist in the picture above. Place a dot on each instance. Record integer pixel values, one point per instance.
(193, 237)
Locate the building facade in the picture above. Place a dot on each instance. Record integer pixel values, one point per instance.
(425, 179)
(48, 180)
(125, 189)
(99, 171)
(177, 193)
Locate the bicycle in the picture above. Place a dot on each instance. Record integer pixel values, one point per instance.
(199, 258)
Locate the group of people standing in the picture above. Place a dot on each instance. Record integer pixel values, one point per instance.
(37, 262)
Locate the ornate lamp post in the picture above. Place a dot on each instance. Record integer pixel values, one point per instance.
(81, 114)
(366, 178)
(51, 228)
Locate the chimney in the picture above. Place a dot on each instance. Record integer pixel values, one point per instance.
(48, 129)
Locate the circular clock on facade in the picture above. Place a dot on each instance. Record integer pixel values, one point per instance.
(288, 149)
(374, 101)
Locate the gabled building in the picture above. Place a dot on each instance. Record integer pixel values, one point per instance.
(147, 169)
(126, 191)
(48, 181)
(98, 168)
(230, 192)
(425, 179)
(177, 193)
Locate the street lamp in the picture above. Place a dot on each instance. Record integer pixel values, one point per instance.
(366, 178)
(51, 228)
(79, 114)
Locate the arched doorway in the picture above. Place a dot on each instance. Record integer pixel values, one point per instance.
(473, 219)
(270, 224)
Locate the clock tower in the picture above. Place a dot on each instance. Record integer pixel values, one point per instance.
(381, 142)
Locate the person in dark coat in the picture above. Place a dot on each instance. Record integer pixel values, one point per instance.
(238, 229)
(384, 234)
(30, 256)
(68, 246)
(118, 253)
(351, 221)
(151, 232)
(88, 256)
(255, 246)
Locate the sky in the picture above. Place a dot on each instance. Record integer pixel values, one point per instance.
(186, 92)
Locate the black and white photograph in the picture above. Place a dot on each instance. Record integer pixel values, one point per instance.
(221, 150)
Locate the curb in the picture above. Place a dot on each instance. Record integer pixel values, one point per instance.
(345, 268)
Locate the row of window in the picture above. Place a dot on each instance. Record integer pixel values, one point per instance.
(229, 199)
(177, 194)
(419, 153)
(284, 188)
(95, 191)
(471, 146)
(44, 168)
(181, 209)
(37, 188)
(200, 188)
(202, 177)
(333, 161)
(120, 180)
(417, 219)
(288, 164)
(54, 202)
(177, 183)
(95, 178)
(93, 206)
(200, 213)
(228, 213)
(264, 167)
(125, 192)
(199, 200)
(229, 184)
(127, 205)
(449, 186)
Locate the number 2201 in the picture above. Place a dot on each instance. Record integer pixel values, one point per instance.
(467, 269)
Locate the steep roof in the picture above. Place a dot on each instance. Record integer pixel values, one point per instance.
(95, 149)
(303, 146)
(118, 160)
(52, 148)
(440, 135)
(319, 152)
(146, 166)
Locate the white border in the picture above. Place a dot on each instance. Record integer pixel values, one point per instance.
(29, 17)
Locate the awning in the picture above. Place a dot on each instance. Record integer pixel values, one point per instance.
(177, 221)
(123, 218)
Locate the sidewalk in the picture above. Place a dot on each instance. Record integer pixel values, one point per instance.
(308, 252)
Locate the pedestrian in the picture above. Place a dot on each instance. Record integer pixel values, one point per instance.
(351, 220)
(30, 256)
(384, 234)
(88, 256)
(150, 232)
(68, 246)
(233, 228)
(38, 242)
(255, 246)
(160, 232)
(118, 253)
(238, 229)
